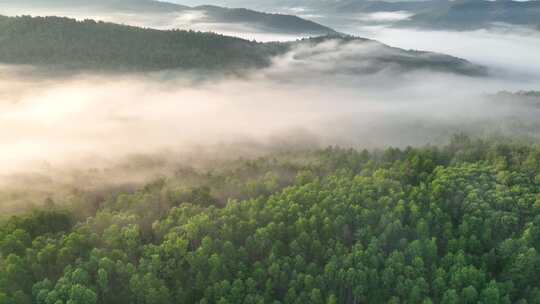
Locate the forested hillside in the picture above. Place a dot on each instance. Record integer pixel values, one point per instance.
(90, 45)
(264, 21)
(456, 224)
(97, 45)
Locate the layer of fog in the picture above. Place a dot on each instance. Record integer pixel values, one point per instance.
(66, 120)
(509, 49)
(513, 51)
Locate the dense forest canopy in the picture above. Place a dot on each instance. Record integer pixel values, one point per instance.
(452, 224)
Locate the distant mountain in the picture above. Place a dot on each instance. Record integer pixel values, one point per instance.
(67, 43)
(325, 6)
(430, 14)
(126, 5)
(277, 23)
(444, 14)
(368, 6)
(269, 22)
(476, 14)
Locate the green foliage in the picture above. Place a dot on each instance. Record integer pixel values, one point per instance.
(457, 224)
(72, 45)
(95, 45)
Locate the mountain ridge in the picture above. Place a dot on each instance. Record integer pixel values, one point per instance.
(281, 23)
(458, 15)
(57, 41)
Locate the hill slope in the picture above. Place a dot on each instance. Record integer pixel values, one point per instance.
(54, 41)
(97, 45)
(278, 23)
(264, 21)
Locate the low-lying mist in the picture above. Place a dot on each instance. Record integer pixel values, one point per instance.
(61, 118)
(62, 131)
(510, 49)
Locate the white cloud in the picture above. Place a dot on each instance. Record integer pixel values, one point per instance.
(384, 17)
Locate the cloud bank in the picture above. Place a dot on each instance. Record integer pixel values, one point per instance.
(319, 91)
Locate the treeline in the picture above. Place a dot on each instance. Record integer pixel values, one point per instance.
(455, 224)
(97, 45)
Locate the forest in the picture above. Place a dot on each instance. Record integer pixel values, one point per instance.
(458, 223)
(59, 41)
